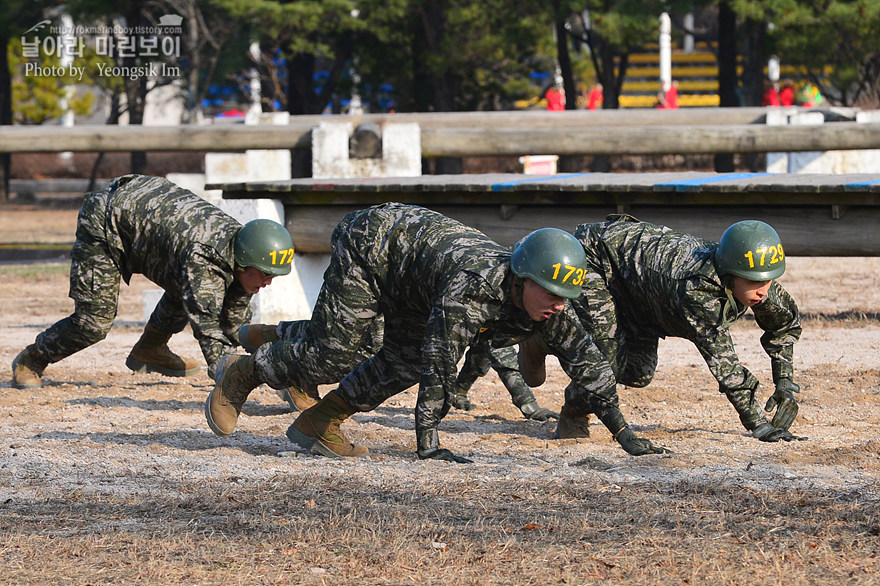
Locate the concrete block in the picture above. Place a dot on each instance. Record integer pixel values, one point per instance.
(226, 167)
(330, 150)
(267, 164)
(195, 182)
(401, 152)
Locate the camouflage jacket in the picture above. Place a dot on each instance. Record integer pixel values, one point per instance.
(183, 244)
(665, 283)
(448, 281)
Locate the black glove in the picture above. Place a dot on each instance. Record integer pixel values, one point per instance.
(535, 413)
(441, 454)
(767, 433)
(785, 403)
(637, 446)
(461, 401)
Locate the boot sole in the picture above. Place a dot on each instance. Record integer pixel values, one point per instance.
(311, 444)
(210, 419)
(143, 367)
(284, 395)
(27, 386)
(314, 445)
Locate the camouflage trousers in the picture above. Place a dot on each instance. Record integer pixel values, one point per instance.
(329, 343)
(631, 353)
(94, 288)
(479, 359)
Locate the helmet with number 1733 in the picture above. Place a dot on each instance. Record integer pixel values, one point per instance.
(552, 258)
(265, 245)
(752, 250)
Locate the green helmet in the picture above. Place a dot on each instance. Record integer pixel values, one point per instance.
(750, 249)
(552, 258)
(265, 245)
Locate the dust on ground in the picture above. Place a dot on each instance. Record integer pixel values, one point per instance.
(115, 476)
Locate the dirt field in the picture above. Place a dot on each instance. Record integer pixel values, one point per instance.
(110, 477)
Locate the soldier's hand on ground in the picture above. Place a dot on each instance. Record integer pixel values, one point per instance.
(536, 413)
(784, 401)
(442, 454)
(638, 446)
(767, 433)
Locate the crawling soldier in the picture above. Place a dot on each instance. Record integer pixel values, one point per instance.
(646, 282)
(439, 285)
(207, 263)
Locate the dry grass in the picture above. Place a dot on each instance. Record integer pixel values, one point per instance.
(112, 478)
(337, 530)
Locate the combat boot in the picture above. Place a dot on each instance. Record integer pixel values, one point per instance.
(27, 369)
(531, 355)
(236, 378)
(252, 336)
(152, 354)
(572, 425)
(460, 400)
(317, 429)
(300, 399)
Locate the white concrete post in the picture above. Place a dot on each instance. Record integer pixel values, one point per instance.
(665, 49)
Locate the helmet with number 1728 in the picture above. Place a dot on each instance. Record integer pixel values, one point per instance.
(752, 250)
(265, 245)
(552, 258)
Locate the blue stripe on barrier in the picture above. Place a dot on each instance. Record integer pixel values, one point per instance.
(711, 179)
(861, 184)
(509, 185)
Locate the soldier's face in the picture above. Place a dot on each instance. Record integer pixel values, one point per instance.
(540, 303)
(750, 293)
(253, 279)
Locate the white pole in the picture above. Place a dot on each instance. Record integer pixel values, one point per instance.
(688, 37)
(773, 68)
(66, 47)
(665, 49)
(256, 108)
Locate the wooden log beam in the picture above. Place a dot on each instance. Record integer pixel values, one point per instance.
(653, 140)
(692, 130)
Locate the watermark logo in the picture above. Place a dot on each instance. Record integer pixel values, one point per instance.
(66, 42)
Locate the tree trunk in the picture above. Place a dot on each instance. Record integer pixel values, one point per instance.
(5, 114)
(727, 79)
(434, 91)
(567, 164)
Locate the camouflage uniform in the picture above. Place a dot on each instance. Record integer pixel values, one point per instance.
(483, 356)
(147, 225)
(478, 360)
(648, 282)
(437, 284)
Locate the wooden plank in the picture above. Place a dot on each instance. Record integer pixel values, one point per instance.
(691, 188)
(805, 230)
(818, 215)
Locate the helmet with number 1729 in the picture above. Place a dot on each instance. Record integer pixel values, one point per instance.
(265, 245)
(752, 250)
(552, 258)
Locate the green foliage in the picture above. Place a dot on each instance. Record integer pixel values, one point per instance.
(39, 87)
(626, 23)
(837, 42)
